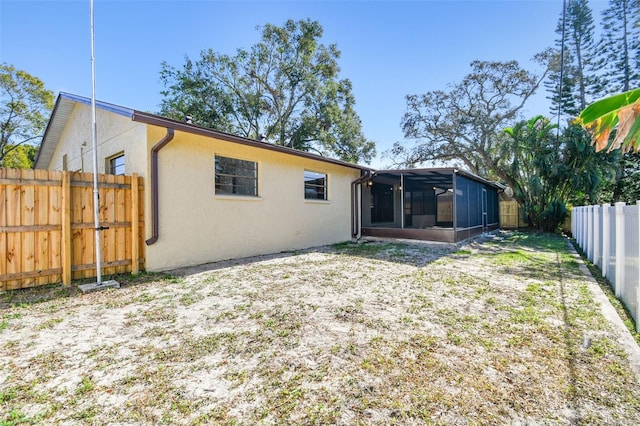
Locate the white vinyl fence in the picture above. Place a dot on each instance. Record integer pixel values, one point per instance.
(610, 237)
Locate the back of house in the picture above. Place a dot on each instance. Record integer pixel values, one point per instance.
(208, 195)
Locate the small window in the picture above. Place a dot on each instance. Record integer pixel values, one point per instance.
(236, 177)
(116, 165)
(315, 185)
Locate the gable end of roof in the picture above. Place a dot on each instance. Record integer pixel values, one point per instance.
(58, 120)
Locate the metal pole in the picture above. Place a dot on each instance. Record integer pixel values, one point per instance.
(402, 210)
(94, 138)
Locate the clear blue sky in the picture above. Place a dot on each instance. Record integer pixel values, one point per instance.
(389, 48)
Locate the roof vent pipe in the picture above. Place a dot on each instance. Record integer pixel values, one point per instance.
(154, 185)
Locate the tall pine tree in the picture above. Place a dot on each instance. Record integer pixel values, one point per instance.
(619, 47)
(619, 50)
(576, 29)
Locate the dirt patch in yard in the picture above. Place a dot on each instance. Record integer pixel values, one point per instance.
(503, 330)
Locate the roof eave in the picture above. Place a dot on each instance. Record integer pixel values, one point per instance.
(155, 120)
(59, 115)
(452, 170)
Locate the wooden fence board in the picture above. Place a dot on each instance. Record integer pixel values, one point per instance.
(66, 217)
(42, 235)
(55, 236)
(29, 238)
(14, 242)
(119, 234)
(3, 222)
(47, 230)
(509, 214)
(86, 237)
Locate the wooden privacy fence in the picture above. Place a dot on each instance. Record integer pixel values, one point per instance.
(47, 230)
(511, 214)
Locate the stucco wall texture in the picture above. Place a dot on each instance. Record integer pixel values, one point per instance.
(197, 226)
(116, 134)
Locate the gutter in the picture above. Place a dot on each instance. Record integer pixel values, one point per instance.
(155, 120)
(355, 205)
(154, 184)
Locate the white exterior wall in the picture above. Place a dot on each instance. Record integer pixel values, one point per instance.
(196, 226)
(116, 134)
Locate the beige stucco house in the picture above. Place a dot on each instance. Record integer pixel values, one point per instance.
(209, 195)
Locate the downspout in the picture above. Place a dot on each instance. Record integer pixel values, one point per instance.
(355, 206)
(154, 184)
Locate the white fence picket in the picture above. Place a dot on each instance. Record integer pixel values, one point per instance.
(610, 238)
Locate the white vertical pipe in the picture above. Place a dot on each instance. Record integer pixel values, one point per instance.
(94, 139)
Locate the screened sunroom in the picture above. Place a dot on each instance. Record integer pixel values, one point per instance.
(445, 204)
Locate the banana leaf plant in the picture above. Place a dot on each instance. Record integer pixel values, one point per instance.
(621, 110)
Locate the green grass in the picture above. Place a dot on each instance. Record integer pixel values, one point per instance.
(462, 252)
(607, 288)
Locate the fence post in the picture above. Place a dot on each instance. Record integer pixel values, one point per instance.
(606, 222)
(597, 229)
(135, 206)
(620, 255)
(65, 239)
(583, 211)
(578, 228)
(589, 228)
(581, 230)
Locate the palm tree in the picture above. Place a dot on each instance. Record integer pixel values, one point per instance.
(530, 164)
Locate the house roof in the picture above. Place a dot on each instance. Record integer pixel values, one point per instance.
(59, 116)
(66, 101)
(439, 175)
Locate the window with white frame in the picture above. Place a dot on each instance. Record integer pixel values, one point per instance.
(315, 185)
(236, 177)
(116, 164)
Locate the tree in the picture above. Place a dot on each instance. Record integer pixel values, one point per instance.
(285, 89)
(20, 157)
(528, 163)
(588, 173)
(546, 170)
(614, 123)
(576, 29)
(627, 188)
(619, 49)
(24, 107)
(563, 101)
(461, 124)
(620, 46)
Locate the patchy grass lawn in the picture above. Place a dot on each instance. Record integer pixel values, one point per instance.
(500, 331)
